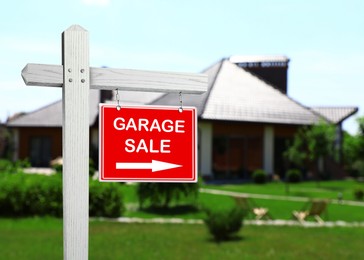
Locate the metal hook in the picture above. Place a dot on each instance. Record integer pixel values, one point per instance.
(180, 109)
(118, 107)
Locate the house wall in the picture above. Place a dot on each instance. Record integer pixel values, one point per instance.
(237, 149)
(282, 135)
(15, 140)
(246, 144)
(26, 134)
(240, 148)
(286, 131)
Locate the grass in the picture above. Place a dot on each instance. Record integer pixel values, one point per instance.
(325, 189)
(279, 209)
(41, 238)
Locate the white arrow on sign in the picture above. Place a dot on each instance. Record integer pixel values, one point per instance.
(155, 166)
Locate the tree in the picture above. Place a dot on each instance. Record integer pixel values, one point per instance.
(353, 146)
(312, 144)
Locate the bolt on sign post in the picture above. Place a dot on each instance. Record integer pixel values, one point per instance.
(76, 78)
(147, 144)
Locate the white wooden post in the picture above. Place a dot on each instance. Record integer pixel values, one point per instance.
(75, 142)
(77, 78)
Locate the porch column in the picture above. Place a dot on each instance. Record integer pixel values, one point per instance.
(268, 146)
(205, 149)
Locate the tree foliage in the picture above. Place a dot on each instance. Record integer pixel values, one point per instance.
(311, 143)
(353, 147)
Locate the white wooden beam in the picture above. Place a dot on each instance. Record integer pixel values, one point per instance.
(122, 79)
(75, 142)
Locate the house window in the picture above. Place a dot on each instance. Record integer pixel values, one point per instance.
(40, 151)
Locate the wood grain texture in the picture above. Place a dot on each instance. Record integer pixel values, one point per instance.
(75, 142)
(122, 79)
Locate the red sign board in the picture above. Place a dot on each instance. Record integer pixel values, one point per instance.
(147, 144)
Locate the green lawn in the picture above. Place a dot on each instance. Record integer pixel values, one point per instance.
(324, 189)
(279, 209)
(41, 238)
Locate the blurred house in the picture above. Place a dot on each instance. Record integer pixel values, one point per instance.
(245, 119)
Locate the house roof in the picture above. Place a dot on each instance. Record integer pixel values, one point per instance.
(51, 115)
(236, 95)
(259, 58)
(233, 94)
(335, 114)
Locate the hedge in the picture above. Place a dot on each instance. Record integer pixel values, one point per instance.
(162, 194)
(259, 176)
(39, 195)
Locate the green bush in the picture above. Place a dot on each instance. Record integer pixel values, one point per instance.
(259, 176)
(6, 165)
(293, 176)
(39, 195)
(223, 225)
(105, 199)
(57, 167)
(29, 195)
(13, 167)
(43, 195)
(359, 193)
(91, 168)
(162, 194)
(21, 164)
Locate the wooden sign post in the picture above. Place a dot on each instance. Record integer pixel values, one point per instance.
(76, 78)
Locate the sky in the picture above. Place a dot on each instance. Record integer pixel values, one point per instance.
(324, 40)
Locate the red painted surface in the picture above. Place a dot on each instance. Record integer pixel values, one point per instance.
(136, 141)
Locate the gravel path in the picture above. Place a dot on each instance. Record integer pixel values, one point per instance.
(277, 197)
(276, 222)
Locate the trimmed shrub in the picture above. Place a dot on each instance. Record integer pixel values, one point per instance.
(13, 167)
(259, 176)
(293, 176)
(43, 195)
(162, 194)
(39, 195)
(105, 199)
(6, 165)
(223, 225)
(29, 195)
(359, 193)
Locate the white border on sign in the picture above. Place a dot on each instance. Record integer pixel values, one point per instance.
(194, 179)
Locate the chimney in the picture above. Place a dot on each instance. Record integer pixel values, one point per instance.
(271, 69)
